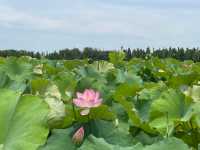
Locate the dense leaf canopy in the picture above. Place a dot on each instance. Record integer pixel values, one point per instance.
(147, 104)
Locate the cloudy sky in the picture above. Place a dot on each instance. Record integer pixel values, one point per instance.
(108, 24)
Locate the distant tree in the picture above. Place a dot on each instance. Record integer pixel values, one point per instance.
(95, 54)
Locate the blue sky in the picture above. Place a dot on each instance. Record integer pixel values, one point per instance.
(47, 25)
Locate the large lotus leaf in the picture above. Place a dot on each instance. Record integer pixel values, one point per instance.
(121, 95)
(161, 73)
(158, 62)
(3, 79)
(132, 113)
(17, 70)
(38, 69)
(102, 66)
(102, 112)
(126, 90)
(87, 71)
(85, 83)
(193, 92)
(193, 114)
(129, 107)
(60, 139)
(93, 143)
(66, 82)
(120, 112)
(116, 57)
(168, 144)
(135, 64)
(128, 77)
(103, 87)
(172, 65)
(52, 97)
(189, 133)
(182, 79)
(113, 132)
(98, 84)
(69, 117)
(48, 61)
(2, 60)
(71, 64)
(196, 67)
(151, 92)
(170, 106)
(16, 86)
(159, 68)
(39, 86)
(146, 98)
(57, 112)
(50, 70)
(143, 137)
(22, 121)
(53, 91)
(6, 82)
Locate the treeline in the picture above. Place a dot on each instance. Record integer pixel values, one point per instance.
(96, 54)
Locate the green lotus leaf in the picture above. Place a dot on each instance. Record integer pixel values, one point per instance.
(165, 110)
(66, 83)
(116, 57)
(193, 114)
(60, 139)
(22, 121)
(116, 132)
(93, 143)
(17, 70)
(102, 112)
(193, 92)
(57, 112)
(102, 66)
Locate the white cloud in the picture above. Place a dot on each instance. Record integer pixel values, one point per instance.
(103, 19)
(11, 17)
(103, 24)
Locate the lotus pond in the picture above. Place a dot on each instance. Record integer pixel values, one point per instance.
(149, 104)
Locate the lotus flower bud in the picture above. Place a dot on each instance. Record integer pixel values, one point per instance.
(78, 136)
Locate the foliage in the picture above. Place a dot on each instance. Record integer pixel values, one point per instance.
(97, 54)
(147, 104)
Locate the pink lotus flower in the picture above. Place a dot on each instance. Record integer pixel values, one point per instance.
(78, 136)
(86, 100)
